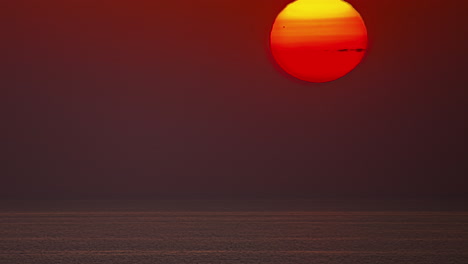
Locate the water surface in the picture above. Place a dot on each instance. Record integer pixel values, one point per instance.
(229, 232)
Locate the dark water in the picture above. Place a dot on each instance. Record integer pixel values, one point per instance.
(230, 232)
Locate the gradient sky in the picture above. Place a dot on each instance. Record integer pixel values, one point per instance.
(128, 98)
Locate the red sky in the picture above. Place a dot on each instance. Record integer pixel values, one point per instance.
(129, 98)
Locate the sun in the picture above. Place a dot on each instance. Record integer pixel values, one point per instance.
(318, 40)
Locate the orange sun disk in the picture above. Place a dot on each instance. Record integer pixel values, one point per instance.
(318, 40)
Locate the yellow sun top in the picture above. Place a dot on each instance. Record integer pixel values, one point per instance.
(317, 9)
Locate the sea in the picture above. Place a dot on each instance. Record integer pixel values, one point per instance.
(204, 231)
